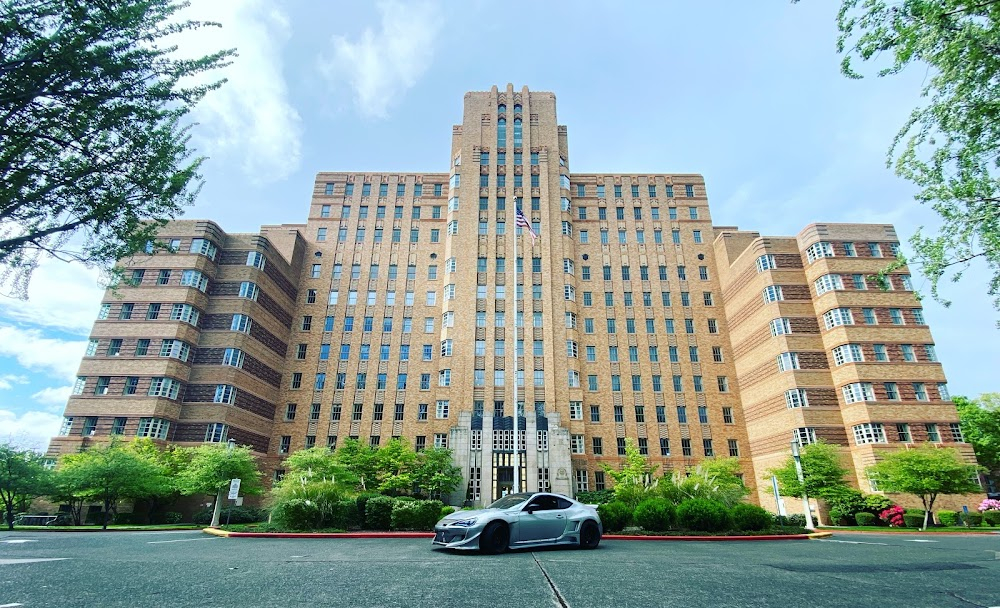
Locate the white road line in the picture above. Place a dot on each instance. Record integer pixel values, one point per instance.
(18, 541)
(10, 605)
(30, 560)
(850, 542)
(167, 532)
(918, 540)
(183, 540)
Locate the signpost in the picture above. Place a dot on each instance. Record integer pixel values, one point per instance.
(234, 489)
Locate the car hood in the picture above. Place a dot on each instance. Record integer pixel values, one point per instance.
(460, 515)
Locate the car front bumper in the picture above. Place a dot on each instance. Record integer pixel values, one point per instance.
(450, 537)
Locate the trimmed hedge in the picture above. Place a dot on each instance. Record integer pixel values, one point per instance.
(703, 515)
(864, 518)
(596, 497)
(378, 512)
(615, 515)
(992, 518)
(655, 514)
(748, 517)
(975, 519)
(913, 520)
(236, 515)
(947, 518)
(415, 514)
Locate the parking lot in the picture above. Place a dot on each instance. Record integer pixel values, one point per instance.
(194, 569)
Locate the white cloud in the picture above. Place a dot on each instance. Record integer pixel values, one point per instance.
(53, 397)
(61, 295)
(381, 66)
(59, 358)
(30, 430)
(7, 381)
(250, 117)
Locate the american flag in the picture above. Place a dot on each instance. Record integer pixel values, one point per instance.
(522, 222)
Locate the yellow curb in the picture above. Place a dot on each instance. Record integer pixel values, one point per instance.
(816, 535)
(216, 532)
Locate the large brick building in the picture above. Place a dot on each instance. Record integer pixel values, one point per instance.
(391, 313)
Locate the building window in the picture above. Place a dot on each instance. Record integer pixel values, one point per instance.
(772, 293)
(796, 398)
(765, 262)
(869, 432)
(847, 353)
(155, 428)
(804, 435)
(788, 361)
(822, 249)
(858, 391)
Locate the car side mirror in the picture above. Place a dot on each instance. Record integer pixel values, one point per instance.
(531, 509)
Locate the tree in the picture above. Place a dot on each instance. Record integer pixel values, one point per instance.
(211, 469)
(395, 461)
(361, 460)
(713, 479)
(948, 147)
(821, 469)
(926, 472)
(110, 473)
(435, 473)
(171, 459)
(23, 476)
(634, 477)
(980, 420)
(92, 142)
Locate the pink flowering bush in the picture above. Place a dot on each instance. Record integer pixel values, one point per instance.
(989, 504)
(893, 516)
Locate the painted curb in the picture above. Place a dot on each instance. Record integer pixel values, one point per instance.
(389, 535)
(919, 533)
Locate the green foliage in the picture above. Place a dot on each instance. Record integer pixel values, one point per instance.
(655, 514)
(316, 464)
(702, 515)
(446, 511)
(864, 518)
(926, 471)
(173, 517)
(378, 512)
(212, 467)
(110, 473)
(947, 518)
(913, 520)
(751, 518)
(94, 97)
(233, 514)
(296, 514)
(435, 473)
(362, 502)
(415, 515)
(615, 515)
(595, 497)
(948, 146)
(713, 479)
(23, 476)
(980, 420)
(633, 478)
(974, 519)
(344, 515)
(821, 469)
(991, 518)
(396, 469)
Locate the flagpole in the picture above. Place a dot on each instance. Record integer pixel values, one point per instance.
(517, 452)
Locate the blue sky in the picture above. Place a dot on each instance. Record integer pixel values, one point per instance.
(746, 93)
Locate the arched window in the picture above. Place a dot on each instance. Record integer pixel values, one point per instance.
(501, 109)
(517, 108)
(517, 133)
(501, 133)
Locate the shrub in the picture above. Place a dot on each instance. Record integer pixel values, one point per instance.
(362, 501)
(615, 515)
(415, 514)
(378, 512)
(343, 515)
(655, 514)
(893, 516)
(837, 517)
(947, 518)
(703, 515)
(992, 518)
(747, 517)
(446, 511)
(172, 517)
(975, 519)
(795, 520)
(596, 497)
(235, 515)
(128, 519)
(913, 521)
(912, 511)
(989, 504)
(296, 514)
(875, 503)
(864, 518)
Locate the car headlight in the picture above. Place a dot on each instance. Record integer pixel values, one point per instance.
(464, 523)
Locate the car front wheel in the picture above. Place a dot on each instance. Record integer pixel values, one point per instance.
(590, 535)
(494, 538)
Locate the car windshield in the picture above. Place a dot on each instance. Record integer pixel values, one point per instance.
(510, 500)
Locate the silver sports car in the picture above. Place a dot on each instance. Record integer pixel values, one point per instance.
(527, 519)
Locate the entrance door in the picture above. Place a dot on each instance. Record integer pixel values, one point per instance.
(504, 482)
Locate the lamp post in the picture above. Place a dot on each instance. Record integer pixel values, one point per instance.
(220, 495)
(798, 471)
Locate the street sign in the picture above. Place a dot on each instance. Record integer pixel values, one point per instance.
(239, 501)
(234, 489)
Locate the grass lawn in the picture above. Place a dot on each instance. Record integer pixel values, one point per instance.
(96, 528)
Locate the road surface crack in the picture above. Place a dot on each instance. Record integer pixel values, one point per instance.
(560, 600)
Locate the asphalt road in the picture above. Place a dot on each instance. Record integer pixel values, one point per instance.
(185, 569)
